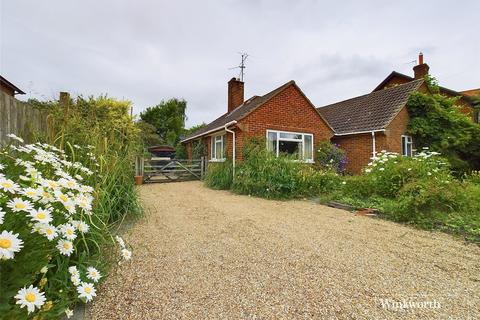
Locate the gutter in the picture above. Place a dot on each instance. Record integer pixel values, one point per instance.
(233, 145)
(358, 132)
(210, 131)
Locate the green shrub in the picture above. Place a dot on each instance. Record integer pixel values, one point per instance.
(106, 126)
(219, 175)
(330, 157)
(263, 174)
(389, 172)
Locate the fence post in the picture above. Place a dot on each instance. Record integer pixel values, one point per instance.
(202, 167)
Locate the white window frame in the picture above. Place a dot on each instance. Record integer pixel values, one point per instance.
(302, 140)
(213, 147)
(405, 141)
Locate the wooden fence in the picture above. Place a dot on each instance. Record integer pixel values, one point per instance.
(20, 118)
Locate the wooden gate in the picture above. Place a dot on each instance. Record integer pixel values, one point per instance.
(170, 170)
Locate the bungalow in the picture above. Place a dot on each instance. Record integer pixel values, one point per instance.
(378, 121)
(361, 126)
(285, 116)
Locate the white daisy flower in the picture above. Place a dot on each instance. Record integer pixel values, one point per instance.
(41, 215)
(82, 227)
(49, 231)
(18, 204)
(93, 274)
(120, 241)
(75, 280)
(9, 244)
(44, 270)
(8, 185)
(68, 231)
(65, 247)
(61, 197)
(68, 313)
(31, 298)
(14, 137)
(50, 184)
(126, 254)
(87, 291)
(32, 193)
(73, 271)
(2, 215)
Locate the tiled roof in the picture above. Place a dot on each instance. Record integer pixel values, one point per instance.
(239, 112)
(443, 90)
(373, 111)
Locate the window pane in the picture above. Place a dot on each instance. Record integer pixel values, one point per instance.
(404, 151)
(286, 135)
(224, 146)
(291, 147)
(308, 147)
(272, 142)
(212, 148)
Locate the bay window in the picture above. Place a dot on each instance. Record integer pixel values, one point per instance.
(218, 147)
(298, 144)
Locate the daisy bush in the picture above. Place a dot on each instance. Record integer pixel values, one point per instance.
(51, 233)
(420, 190)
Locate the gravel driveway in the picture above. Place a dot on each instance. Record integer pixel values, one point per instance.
(204, 254)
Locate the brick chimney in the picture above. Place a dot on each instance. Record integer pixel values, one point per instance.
(235, 94)
(421, 69)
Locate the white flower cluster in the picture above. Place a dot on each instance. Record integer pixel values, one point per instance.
(384, 156)
(126, 254)
(45, 200)
(38, 182)
(86, 290)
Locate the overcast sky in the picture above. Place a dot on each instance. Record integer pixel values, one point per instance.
(146, 51)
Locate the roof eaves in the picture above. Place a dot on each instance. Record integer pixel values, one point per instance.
(11, 85)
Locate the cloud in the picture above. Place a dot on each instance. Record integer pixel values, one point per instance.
(146, 51)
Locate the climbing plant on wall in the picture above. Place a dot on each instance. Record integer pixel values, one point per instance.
(437, 122)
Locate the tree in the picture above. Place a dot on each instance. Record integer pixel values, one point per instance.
(148, 134)
(168, 118)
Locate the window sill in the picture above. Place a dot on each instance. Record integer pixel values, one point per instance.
(217, 160)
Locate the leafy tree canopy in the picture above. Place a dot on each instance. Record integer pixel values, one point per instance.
(168, 118)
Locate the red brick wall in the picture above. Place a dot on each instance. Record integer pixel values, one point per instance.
(288, 111)
(358, 149)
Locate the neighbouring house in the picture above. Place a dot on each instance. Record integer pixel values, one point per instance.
(285, 117)
(9, 88)
(378, 121)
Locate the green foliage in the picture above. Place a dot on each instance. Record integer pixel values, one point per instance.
(113, 140)
(193, 129)
(329, 156)
(148, 134)
(219, 175)
(168, 118)
(419, 190)
(437, 122)
(263, 174)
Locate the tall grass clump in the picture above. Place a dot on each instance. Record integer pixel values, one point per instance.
(219, 175)
(60, 200)
(263, 174)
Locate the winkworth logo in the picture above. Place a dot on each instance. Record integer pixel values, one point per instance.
(409, 304)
